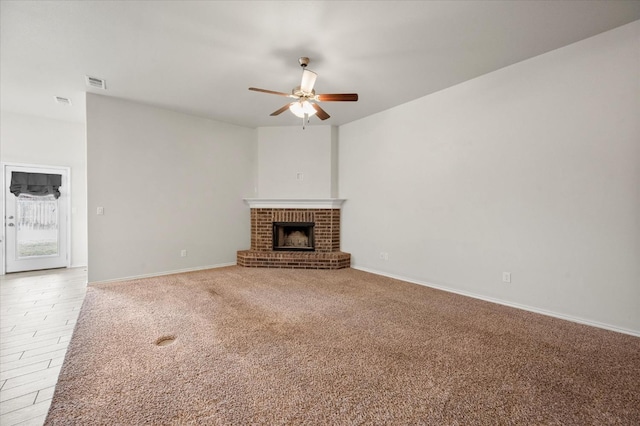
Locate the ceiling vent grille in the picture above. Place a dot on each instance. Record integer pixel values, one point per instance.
(62, 101)
(96, 82)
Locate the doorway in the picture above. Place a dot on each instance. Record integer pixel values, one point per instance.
(37, 200)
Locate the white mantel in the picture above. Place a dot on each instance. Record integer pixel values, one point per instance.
(285, 203)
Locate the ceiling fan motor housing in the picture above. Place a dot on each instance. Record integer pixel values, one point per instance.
(301, 94)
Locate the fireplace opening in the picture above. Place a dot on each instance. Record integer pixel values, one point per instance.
(293, 236)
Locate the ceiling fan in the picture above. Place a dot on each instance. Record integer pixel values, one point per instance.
(305, 97)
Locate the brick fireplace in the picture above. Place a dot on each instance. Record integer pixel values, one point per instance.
(321, 217)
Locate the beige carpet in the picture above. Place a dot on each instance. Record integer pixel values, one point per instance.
(266, 346)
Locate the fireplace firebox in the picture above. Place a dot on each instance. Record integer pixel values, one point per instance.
(293, 236)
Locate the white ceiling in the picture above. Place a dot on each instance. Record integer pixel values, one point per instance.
(200, 57)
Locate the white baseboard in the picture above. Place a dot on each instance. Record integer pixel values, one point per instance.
(160, 274)
(504, 302)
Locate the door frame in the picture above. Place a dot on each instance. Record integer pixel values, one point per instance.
(3, 240)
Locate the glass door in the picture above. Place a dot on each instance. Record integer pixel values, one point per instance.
(36, 224)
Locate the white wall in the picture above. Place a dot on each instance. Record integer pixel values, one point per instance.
(285, 152)
(167, 181)
(43, 141)
(533, 169)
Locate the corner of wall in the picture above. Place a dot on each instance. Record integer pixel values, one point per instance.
(334, 162)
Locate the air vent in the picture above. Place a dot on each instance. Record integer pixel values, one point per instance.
(96, 82)
(62, 101)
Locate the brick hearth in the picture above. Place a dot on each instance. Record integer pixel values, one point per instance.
(327, 254)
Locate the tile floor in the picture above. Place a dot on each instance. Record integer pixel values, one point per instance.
(38, 311)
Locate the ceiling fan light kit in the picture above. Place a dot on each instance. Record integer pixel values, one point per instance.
(302, 108)
(303, 94)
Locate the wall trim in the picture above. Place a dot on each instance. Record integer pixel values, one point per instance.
(160, 274)
(289, 203)
(565, 317)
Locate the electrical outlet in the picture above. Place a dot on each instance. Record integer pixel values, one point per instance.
(384, 255)
(100, 211)
(183, 253)
(506, 277)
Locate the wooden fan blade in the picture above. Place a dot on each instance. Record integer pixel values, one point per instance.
(322, 114)
(280, 111)
(337, 97)
(271, 92)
